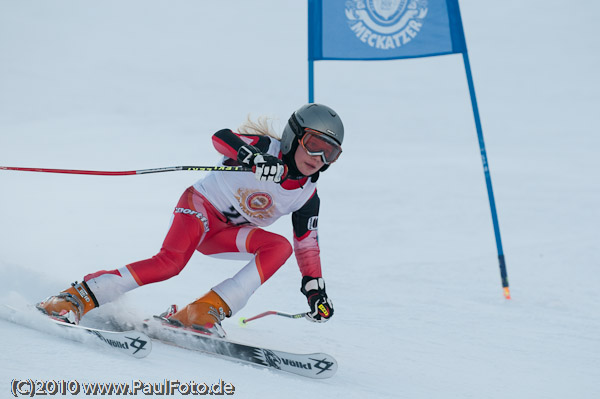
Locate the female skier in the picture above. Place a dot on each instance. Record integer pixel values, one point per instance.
(223, 213)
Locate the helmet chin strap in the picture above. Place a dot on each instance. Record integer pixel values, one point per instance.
(315, 176)
(289, 160)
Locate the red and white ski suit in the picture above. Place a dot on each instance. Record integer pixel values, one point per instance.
(222, 214)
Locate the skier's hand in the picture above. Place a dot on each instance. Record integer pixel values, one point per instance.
(246, 155)
(268, 167)
(321, 307)
(265, 167)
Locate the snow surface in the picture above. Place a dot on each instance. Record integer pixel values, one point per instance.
(405, 228)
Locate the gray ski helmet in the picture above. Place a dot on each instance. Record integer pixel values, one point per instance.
(313, 116)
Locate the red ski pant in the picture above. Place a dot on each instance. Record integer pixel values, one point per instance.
(197, 225)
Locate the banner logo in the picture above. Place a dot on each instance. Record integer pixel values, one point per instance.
(386, 24)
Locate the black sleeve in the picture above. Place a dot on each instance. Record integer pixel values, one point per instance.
(306, 218)
(228, 143)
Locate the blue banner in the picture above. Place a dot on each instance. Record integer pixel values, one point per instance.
(383, 29)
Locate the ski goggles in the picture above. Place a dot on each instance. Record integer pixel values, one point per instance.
(318, 143)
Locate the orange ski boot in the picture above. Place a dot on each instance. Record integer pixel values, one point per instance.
(71, 304)
(204, 314)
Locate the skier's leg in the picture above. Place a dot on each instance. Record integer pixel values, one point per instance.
(269, 252)
(187, 229)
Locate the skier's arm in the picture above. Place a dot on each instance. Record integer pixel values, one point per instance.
(251, 151)
(306, 243)
(229, 143)
(306, 247)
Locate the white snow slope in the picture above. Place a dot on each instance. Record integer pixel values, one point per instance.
(406, 236)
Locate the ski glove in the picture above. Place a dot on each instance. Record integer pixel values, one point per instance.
(266, 167)
(321, 307)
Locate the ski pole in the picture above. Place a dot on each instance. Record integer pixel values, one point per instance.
(132, 172)
(244, 320)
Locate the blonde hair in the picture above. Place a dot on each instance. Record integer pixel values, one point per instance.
(263, 126)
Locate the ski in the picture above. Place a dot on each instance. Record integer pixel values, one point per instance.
(138, 343)
(313, 365)
(133, 343)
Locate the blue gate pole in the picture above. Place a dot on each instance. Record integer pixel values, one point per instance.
(314, 7)
(488, 178)
(311, 91)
